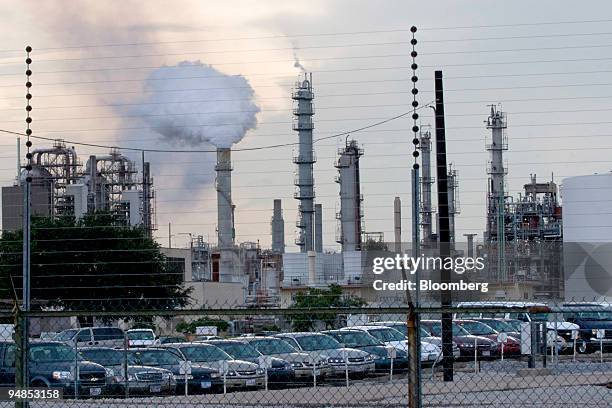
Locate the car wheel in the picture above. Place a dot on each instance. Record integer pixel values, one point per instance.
(582, 347)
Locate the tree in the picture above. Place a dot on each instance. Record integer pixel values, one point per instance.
(94, 264)
(325, 299)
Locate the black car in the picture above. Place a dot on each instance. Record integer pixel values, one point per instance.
(358, 339)
(591, 318)
(201, 379)
(141, 380)
(53, 365)
(280, 373)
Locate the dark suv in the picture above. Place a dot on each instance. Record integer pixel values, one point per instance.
(591, 318)
(53, 364)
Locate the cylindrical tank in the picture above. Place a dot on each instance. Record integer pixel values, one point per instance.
(587, 236)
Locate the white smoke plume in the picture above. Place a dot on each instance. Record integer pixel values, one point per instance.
(193, 104)
(296, 59)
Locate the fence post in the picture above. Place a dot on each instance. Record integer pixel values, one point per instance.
(21, 356)
(414, 360)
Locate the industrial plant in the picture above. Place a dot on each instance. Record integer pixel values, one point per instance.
(522, 240)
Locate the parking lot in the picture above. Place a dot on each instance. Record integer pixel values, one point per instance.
(508, 384)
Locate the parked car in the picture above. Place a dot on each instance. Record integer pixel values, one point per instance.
(53, 365)
(201, 379)
(590, 317)
(300, 361)
(500, 326)
(391, 337)
(361, 340)
(170, 339)
(554, 321)
(141, 379)
(325, 349)
(280, 373)
(240, 374)
(402, 327)
(141, 337)
(465, 341)
(511, 347)
(93, 336)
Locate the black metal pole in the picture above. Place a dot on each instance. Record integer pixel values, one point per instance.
(444, 228)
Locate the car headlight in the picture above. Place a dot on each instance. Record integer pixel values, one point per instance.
(167, 376)
(335, 360)
(215, 374)
(231, 373)
(260, 371)
(109, 372)
(468, 345)
(297, 364)
(131, 377)
(62, 375)
(374, 357)
(594, 332)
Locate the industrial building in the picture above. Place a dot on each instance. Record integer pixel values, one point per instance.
(62, 186)
(523, 236)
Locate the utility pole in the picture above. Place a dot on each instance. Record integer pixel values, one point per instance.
(444, 232)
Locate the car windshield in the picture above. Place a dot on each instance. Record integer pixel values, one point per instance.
(400, 327)
(204, 353)
(239, 350)
(436, 330)
(66, 335)
(424, 333)
(477, 328)
(272, 346)
(317, 342)
(515, 324)
(355, 338)
(499, 325)
(165, 340)
(41, 353)
(104, 357)
(141, 335)
(594, 315)
(154, 357)
(387, 334)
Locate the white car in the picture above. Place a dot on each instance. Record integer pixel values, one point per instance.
(394, 338)
(141, 338)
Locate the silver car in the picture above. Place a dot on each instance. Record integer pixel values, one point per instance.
(239, 374)
(301, 362)
(324, 348)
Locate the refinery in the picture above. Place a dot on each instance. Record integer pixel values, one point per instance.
(522, 242)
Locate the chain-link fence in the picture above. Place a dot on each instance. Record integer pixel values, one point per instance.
(502, 354)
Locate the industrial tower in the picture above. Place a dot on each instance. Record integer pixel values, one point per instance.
(496, 197)
(304, 180)
(225, 214)
(278, 228)
(350, 215)
(453, 200)
(427, 180)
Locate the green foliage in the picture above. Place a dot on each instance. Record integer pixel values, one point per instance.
(185, 327)
(95, 264)
(321, 298)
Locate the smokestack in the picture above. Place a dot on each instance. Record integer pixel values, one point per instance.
(397, 223)
(225, 212)
(318, 228)
(302, 123)
(278, 228)
(350, 196)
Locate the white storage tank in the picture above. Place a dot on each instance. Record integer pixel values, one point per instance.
(587, 236)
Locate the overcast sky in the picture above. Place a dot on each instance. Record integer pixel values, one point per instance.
(553, 80)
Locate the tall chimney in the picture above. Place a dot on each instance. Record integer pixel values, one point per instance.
(351, 214)
(318, 228)
(225, 214)
(278, 228)
(304, 182)
(397, 223)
